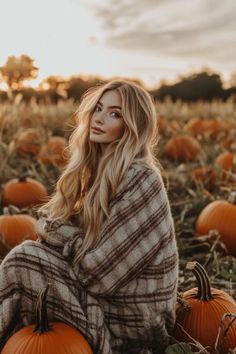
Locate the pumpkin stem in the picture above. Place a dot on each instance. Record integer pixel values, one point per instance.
(23, 177)
(232, 197)
(203, 280)
(42, 324)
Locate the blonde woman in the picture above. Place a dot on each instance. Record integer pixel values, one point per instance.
(106, 237)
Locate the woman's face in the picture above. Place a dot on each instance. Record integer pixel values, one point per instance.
(107, 117)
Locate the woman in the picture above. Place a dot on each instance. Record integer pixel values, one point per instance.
(106, 237)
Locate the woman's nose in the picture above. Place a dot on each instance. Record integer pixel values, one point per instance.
(100, 117)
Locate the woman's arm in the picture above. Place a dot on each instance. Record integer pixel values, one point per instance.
(59, 234)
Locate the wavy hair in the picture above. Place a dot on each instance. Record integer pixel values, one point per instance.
(90, 178)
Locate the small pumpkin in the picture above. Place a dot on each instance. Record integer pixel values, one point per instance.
(206, 175)
(28, 141)
(175, 125)
(16, 227)
(229, 141)
(214, 127)
(227, 162)
(24, 192)
(219, 215)
(207, 127)
(182, 147)
(53, 152)
(46, 338)
(200, 311)
(195, 126)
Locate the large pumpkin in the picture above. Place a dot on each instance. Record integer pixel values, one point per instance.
(15, 228)
(200, 313)
(219, 215)
(45, 338)
(24, 192)
(182, 147)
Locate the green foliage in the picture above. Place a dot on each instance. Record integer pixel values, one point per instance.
(180, 348)
(201, 86)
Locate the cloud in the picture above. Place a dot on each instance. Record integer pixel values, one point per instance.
(202, 30)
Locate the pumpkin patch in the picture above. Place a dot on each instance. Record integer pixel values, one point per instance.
(196, 151)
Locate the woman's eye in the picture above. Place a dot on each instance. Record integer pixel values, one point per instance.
(115, 114)
(97, 108)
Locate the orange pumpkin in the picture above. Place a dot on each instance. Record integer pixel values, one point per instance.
(28, 141)
(24, 192)
(182, 148)
(195, 126)
(200, 312)
(54, 151)
(210, 127)
(16, 228)
(206, 175)
(213, 127)
(57, 337)
(219, 215)
(175, 126)
(229, 142)
(227, 162)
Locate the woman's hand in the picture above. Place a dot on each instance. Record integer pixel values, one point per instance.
(40, 229)
(59, 235)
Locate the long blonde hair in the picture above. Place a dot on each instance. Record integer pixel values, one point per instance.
(90, 178)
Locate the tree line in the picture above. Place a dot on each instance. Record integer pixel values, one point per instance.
(199, 86)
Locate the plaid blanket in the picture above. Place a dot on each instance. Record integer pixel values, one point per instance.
(122, 295)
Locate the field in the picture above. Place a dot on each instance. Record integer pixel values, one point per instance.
(189, 190)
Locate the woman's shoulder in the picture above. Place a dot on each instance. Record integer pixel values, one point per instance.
(141, 169)
(138, 176)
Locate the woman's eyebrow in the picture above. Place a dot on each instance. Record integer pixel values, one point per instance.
(110, 106)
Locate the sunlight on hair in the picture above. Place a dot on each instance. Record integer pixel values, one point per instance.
(90, 179)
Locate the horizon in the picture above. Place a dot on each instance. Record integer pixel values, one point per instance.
(36, 82)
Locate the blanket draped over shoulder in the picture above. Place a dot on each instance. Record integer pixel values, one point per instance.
(121, 296)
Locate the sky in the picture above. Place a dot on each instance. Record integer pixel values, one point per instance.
(152, 40)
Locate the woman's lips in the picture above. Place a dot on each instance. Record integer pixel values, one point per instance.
(97, 130)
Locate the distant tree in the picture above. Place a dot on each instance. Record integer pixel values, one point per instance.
(54, 83)
(201, 86)
(18, 69)
(76, 86)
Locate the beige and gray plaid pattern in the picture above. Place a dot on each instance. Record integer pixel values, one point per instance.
(122, 294)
